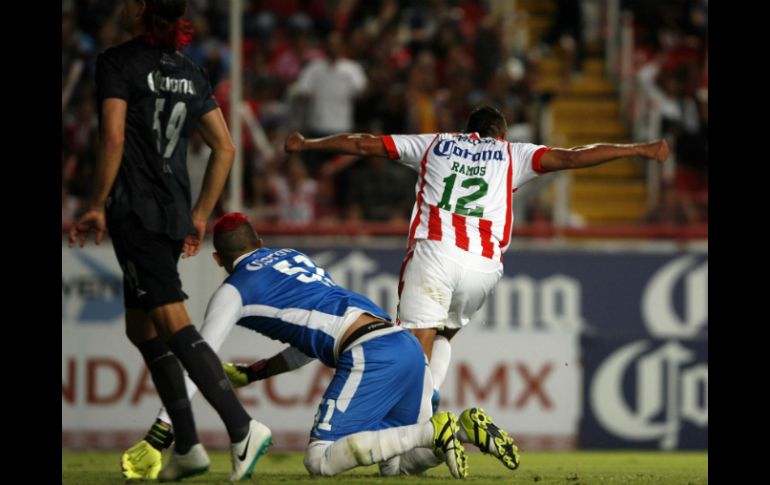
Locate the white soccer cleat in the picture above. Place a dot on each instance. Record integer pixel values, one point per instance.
(194, 462)
(246, 452)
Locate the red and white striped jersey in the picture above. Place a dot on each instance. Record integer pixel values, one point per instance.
(465, 186)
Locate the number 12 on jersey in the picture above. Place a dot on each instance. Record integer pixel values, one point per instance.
(461, 207)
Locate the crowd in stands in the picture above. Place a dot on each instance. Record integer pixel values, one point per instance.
(378, 66)
(672, 73)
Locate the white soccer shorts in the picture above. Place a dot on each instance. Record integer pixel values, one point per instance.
(442, 286)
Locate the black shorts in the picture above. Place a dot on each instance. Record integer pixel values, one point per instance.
(149, 262)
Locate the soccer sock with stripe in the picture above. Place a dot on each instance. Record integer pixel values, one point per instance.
(168, 378)
(205, 369)
(160, 435)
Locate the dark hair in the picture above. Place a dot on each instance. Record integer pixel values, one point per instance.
(164, 25)
(231, 242)
(486, 121)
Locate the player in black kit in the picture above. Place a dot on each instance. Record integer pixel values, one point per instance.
(151, 97)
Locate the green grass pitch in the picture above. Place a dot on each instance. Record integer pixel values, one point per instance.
(570, 468)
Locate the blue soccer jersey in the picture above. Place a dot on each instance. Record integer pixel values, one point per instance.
(381, 379)
(283, 295)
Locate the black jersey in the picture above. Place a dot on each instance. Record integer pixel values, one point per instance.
(166, 94)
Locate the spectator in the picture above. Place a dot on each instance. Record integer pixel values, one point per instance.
(294, 194)
(330, 86)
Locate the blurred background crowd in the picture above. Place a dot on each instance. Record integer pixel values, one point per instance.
(564, 73)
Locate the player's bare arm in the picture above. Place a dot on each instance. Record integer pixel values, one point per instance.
(111, 142)
(363, 144)
(591, 155)
(214, 131)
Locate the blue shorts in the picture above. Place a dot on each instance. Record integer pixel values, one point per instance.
(378, 384)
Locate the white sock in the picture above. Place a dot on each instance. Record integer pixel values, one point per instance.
(329, 458)
(415, 462)
(439, 360)
(163, 416)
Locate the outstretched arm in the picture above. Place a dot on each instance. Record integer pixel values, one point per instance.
(590, 155)
(362, 144)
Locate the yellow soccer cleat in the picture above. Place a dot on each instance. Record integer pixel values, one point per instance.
(490, 439)
(236, 374)
(141, 462)
(446, 443)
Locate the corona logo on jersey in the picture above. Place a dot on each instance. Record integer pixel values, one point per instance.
(158, 82)
(266, 261)
(447, 148)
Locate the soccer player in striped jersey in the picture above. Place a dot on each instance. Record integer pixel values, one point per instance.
(462, 218)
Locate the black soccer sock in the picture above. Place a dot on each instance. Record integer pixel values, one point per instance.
(169, 382)
(205, 369)
(159, 436)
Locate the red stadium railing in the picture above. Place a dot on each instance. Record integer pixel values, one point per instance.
(540, 231)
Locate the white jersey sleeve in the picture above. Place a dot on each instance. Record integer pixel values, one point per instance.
(408, 149)
(222, 313)
(526, 162)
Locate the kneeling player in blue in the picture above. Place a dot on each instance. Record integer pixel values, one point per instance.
(377, 407)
